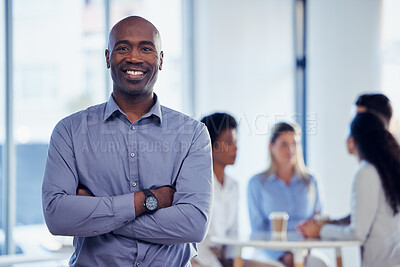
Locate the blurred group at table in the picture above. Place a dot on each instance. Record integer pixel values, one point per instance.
(287, 186)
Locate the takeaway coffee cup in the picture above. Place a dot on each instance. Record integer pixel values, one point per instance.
(278, 221)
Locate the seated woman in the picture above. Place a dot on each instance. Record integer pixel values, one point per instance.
(375, 202)
(285, 186)
(224, 218)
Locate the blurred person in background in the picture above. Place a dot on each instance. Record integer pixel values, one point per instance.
(224, 218)
(375, 201)
(381, 106)
(285, 186)
(375, 103)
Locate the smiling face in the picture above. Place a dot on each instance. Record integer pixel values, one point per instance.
(134, 56)
(284, 148)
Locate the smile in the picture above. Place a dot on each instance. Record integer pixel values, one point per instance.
(134, 72)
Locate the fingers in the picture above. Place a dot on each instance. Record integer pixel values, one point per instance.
(300, 224)
(165, 196)
(83, 192)
(306, 228)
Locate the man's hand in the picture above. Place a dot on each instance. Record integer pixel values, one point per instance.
(164, 195)
(83, 192)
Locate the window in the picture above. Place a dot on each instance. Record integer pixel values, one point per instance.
(166, 16)
(2, 112)
(391, 59)
(59, 68)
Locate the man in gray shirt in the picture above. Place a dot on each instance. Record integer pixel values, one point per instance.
(130, 179)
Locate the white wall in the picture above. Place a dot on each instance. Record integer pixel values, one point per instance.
(244, 66)
(343, 57)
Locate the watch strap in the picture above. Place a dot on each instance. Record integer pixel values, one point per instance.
(148, 193)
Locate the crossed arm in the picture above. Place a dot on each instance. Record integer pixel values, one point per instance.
(182, 216)
(163, 194)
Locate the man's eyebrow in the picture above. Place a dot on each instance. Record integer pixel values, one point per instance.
(147, 43)
(121, 42)
(140, 43)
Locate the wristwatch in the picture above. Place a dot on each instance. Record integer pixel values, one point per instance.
(150, 202)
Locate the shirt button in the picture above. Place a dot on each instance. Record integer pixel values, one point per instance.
(95, 233)
(132, 127)
(138, 263)
(132, 155)
(133, 184)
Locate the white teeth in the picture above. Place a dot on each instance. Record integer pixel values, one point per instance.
(134, 72)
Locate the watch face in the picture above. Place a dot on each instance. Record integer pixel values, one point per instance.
(151, 203)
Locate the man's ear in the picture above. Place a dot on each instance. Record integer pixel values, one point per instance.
(161, 60)
(107, 54)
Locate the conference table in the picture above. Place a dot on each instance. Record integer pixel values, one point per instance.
(292, 241)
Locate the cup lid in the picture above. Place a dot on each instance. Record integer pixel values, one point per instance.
(278, 215)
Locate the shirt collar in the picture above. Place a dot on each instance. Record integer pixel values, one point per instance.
(274, 177)
(155, 110)
(112, 107)
(227, 182)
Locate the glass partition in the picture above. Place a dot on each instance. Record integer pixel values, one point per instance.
(391, 59)
(2, 112)
(58, 69)
(167, 17)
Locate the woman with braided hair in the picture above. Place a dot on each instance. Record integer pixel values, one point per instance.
(375, 214)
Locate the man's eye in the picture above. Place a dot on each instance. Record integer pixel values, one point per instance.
(147, 49)
(122, 48)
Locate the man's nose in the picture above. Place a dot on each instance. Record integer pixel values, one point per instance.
(135, 56)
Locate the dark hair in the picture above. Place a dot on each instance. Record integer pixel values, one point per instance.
(281, 128)
(217, 123)
(377, 145)
(376, 103)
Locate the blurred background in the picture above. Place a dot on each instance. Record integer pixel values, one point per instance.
(248, 58)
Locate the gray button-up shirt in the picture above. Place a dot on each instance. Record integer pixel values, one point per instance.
(101, 150)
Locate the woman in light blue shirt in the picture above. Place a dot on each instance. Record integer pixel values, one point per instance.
(285, 186)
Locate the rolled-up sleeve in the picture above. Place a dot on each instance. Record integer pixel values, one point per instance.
(187, 219)
(66, 213)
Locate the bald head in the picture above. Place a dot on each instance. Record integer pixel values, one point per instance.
(137, 23)
(134, 57)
